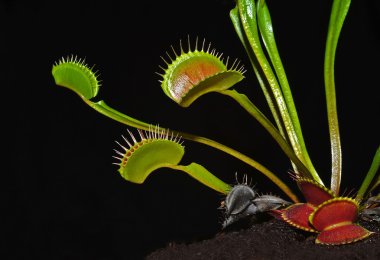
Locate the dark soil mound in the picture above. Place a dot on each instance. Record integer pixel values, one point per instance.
(271, 239)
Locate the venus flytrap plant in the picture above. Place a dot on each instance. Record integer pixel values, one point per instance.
(201, 70)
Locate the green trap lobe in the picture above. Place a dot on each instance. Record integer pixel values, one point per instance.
(77, 77)
(150, 155)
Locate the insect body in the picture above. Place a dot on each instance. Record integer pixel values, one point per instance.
(243, 203)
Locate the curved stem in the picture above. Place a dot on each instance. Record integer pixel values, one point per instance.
(338, 14)
(260, 117)
(267, 35)
(270, 175)
(234, 15)
(247, 12)
(375, 184)
(104, 109)
(205, 177)
(370, 175)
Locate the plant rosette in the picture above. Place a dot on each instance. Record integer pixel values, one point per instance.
(332, 217)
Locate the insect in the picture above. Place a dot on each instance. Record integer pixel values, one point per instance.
(243, 204)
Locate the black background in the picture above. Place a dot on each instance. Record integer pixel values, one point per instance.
(63, 199)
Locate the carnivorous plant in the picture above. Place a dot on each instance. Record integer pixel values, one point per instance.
(190, 72)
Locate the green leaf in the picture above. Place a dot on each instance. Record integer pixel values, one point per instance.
(267, 35)
(235, 18)
(376, 184)
(370, 177)
(244, 101)
(247, 11)
(338, 14)
(202, 175)
(108, 111)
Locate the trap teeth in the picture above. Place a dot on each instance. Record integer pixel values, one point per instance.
(335, 220)
(341, 235)
(297, 215)
(156, 148)
(73, 73)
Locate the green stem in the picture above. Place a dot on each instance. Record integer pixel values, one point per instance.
(247, 11)
(375, 184)
(234, 15)
(270, 175)
(261, 118)
(337, 17)
(202, 175)
(104, 109)
(369, 177)
(267, 35)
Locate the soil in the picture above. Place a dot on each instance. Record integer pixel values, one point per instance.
(270, 239)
